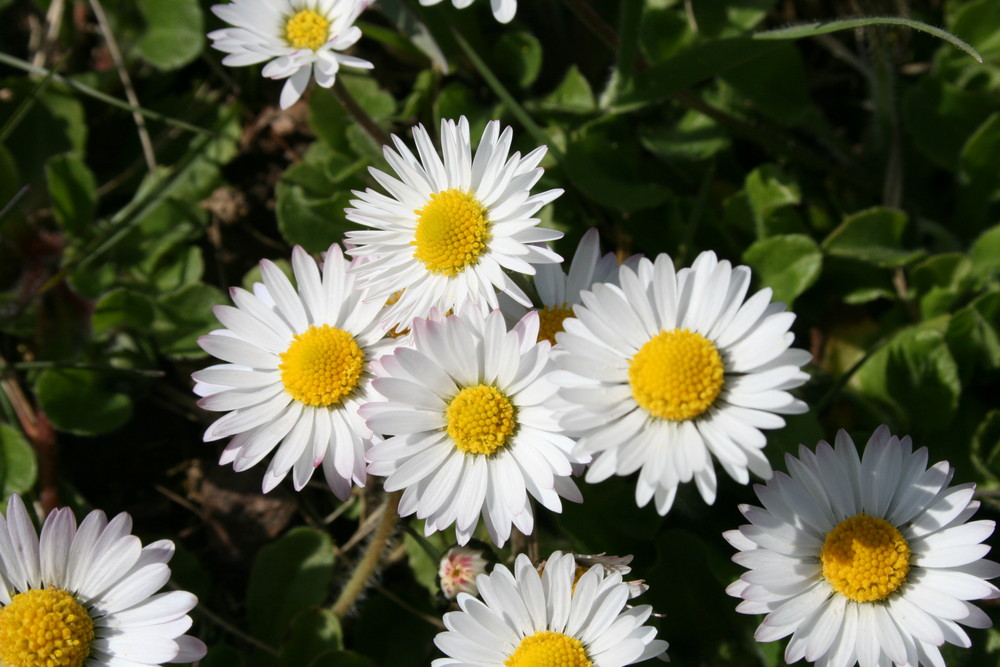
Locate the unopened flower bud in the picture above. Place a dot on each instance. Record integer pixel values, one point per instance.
(459, 569)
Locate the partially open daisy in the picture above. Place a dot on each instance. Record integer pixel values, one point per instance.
(868, 560)
(559, 291)
(503, 10)
(88, 596)
(298, 371)
(472, 429)
(302, 39)
(526, 619)
(673, 368)
(451, 224)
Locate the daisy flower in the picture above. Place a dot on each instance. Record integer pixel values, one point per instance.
(459, 568)
(559, 291)
(451, 224)
(503, 10)
(472, 431)
(673, 368)
(302, 39)
(85, 596)
(550, 619)
(297, 371)
(868, 560)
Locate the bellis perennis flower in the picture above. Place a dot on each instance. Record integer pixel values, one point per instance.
(868, 560)
(526, 619)
(302, 39)
(87, 596)
(503, 10)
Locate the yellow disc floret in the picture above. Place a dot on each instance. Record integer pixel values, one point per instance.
(321, 366)
(549, 649)
(44, 628)
(480, 419)
(306, 30)
(550, 321)
(452, 231)
(676, 375)
(865, 558)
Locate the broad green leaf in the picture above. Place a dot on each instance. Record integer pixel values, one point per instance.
(874, 236)
(314, 632)
(769, 189)
(727, 19)
(183, 316)
(979, 175)
(424, 568)
(916, 378)
(175, 268)
(572, 95)
(73, 192)
(517, 58)
(985, 254)
(788, 264)
(974, 339)
(310, 212)
(663, 32)
(175, 32)
(18, 467)
(122, 309)
(694, 137)
(81, 401)
(976, 22)
(939, 281)
(287, 577)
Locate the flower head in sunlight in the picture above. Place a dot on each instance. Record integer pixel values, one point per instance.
(553, 618)
(87, 596)
(297, 371)
(503, 10)
(869, 560)
(669, 369)
(451, 224)
(301, 39)
(471, 425)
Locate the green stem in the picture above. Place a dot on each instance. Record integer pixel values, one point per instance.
(362, 117)
(373, 556)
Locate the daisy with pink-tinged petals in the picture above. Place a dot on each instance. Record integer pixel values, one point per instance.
(469, 426)
(298, 370)
(868, 560)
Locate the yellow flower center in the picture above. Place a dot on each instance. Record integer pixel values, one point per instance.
(306, 30)
(550, 321)
(44, 628)
(480, 419)
(321, 366)
(549, 649)
(676, 375)
(452, 231)
(865, 559)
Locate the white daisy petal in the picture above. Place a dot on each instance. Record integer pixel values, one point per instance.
(885, 591)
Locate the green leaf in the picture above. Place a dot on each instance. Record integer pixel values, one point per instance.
(287, 577)
(175, 32)
(985, 254)
(694, 137)
(517, 58)
(310, 213)
(973, 337)
(81, 401)
(976, 23)
(725, 19)
(18, 467)
(940, 117)
(425, 568)
(979, 174)
(916, 378)
(183, 316)
(770, 189)
(572, 95)
(788, 264)
(73, 192)
(939, 281)
(314, 632)
(122, 309)
(773, 84)
(874, 236)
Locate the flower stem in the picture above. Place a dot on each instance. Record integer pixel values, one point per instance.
(369, 562)
(358, 113)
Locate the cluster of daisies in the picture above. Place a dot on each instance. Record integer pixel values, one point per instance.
(446, 352)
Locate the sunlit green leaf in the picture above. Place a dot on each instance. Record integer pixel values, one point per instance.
(985, 254)
(517, 58)
(875, 236)
(18, 467)
(81, 401)
(788, 264)
(175, 32)
(572, 95)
